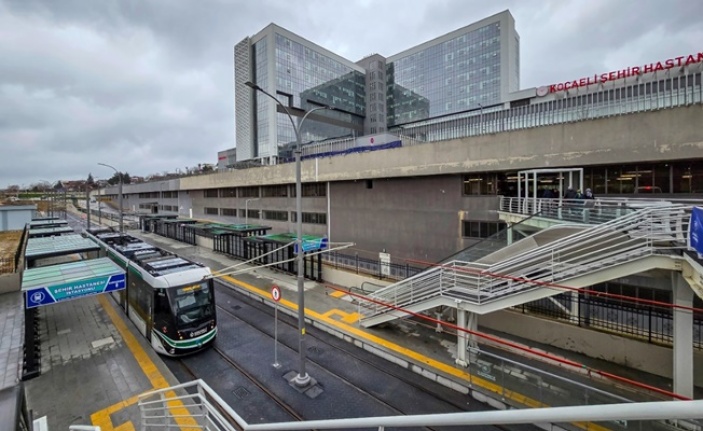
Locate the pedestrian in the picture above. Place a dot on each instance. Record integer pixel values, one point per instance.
(570, 193)
(579, 195)
(589, 194)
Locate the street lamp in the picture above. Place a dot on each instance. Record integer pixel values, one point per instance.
(246, 209)
(302, 379)
(120, 192)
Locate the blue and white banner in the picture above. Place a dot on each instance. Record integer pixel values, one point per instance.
(695, 234)
(46, 295)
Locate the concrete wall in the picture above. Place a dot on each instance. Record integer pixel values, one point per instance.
(10, 282)
(667, 134)
(418, 218)
(646, 357)
(15, 217)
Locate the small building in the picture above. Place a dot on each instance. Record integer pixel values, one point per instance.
(15, 217)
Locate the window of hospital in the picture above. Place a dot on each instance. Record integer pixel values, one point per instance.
(481, 229)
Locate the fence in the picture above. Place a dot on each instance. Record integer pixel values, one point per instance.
(670, 92)
(372, 267)
(645, 322)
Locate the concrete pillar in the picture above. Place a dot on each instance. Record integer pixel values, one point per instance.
(510, 233)
(469, 321)
(683, 337)
(574, 317)
(462, 338)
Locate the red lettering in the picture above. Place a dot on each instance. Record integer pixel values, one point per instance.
(630, 71)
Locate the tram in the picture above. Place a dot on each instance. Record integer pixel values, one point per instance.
(170, 299)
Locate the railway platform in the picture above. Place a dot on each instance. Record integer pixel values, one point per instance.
(94, 364)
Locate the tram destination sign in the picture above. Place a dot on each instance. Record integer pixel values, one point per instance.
(45, 295)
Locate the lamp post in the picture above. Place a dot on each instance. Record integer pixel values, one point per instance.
(302, 379)
(120, 192)
(246, 209)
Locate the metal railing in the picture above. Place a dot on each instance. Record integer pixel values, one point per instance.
(670, 92)
(643, 322)
(372, 267)
(196, 406)
(649, 231)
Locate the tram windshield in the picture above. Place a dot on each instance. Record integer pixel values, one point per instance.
(193, 303)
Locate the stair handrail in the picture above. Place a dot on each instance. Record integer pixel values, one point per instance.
(671, 226)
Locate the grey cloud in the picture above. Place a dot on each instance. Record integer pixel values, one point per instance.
(146, 85)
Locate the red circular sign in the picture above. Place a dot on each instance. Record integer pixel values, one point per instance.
(275, 293)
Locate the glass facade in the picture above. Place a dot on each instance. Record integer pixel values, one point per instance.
(261, 134)
(661, 178)
(455, 75)
(305, 79)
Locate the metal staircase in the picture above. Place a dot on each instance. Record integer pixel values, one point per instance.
(638, 241)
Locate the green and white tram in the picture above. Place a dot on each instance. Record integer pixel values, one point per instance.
(171, 300)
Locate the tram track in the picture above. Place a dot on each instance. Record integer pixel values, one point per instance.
(430, 392)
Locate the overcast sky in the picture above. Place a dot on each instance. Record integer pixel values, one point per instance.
(146, 85)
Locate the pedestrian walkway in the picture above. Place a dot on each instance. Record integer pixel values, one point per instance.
(93, 366)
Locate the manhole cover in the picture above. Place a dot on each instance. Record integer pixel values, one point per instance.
(240, 392)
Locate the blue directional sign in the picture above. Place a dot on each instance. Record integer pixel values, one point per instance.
(312, 244)
(45, 295)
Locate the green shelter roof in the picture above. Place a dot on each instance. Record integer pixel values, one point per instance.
(58, 245)
(46, 231)
(69, 272)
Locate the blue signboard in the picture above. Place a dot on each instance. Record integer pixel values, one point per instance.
(695, 235)
(45, 295)
(312, 245)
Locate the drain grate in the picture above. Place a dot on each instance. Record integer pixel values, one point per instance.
(236, 307)
(240, 393)
(314, 349)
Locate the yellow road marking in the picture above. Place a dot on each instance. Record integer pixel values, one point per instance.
(474, 380)
(337, 294)
(344, 316)
(157, 380)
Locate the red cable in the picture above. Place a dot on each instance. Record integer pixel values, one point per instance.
(517, 346)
